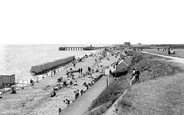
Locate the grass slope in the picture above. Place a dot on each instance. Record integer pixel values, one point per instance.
(150, 66)
(155, 97)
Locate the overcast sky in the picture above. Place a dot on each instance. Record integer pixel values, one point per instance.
(91, 21)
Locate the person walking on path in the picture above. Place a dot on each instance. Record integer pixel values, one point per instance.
(136, 74)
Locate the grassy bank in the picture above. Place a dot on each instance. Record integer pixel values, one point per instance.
(163, 96)
(150, 67)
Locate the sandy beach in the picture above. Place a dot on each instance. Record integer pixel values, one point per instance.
(36, 100)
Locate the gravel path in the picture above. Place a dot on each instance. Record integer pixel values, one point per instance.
(175, 59)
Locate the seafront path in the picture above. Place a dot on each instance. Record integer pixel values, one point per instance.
(37, 101)
(174, 59)
(81, 105)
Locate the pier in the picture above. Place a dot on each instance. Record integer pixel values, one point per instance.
(81, 48)
(71, 48)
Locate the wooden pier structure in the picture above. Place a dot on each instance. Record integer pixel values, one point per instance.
(81, 48)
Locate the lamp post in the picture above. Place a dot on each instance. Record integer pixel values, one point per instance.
(107, 76)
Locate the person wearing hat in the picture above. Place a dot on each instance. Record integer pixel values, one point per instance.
(136, 73)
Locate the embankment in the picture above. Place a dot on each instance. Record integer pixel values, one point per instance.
(151, 67)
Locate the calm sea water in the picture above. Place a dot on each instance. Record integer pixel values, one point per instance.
(18, 59)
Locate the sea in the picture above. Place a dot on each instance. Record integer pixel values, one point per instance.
(18, 58)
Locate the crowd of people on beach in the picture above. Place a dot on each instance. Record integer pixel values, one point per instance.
(89, 73)
(73, 73)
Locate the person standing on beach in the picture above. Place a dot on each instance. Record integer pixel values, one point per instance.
(86, 85)
(81, 91)
(76, 94)
(110, 72)
(89, 69)
(54, 72)
(95, 60)
(32, 82)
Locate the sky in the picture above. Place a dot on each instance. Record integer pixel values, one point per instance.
(91, 21)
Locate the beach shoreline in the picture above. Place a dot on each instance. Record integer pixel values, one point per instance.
(21, 83)
(18, 59)
(33, 99)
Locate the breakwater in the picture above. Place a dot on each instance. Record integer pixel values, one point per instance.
(50, 65)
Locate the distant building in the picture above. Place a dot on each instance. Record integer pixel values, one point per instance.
(127, 44)
(139, 43)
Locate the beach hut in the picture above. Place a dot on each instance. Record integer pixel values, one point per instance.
(7, 79)
(122, 67)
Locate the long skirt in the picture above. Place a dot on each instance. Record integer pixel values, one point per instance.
(133, 81)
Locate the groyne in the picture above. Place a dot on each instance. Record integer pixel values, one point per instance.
(37, 69)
